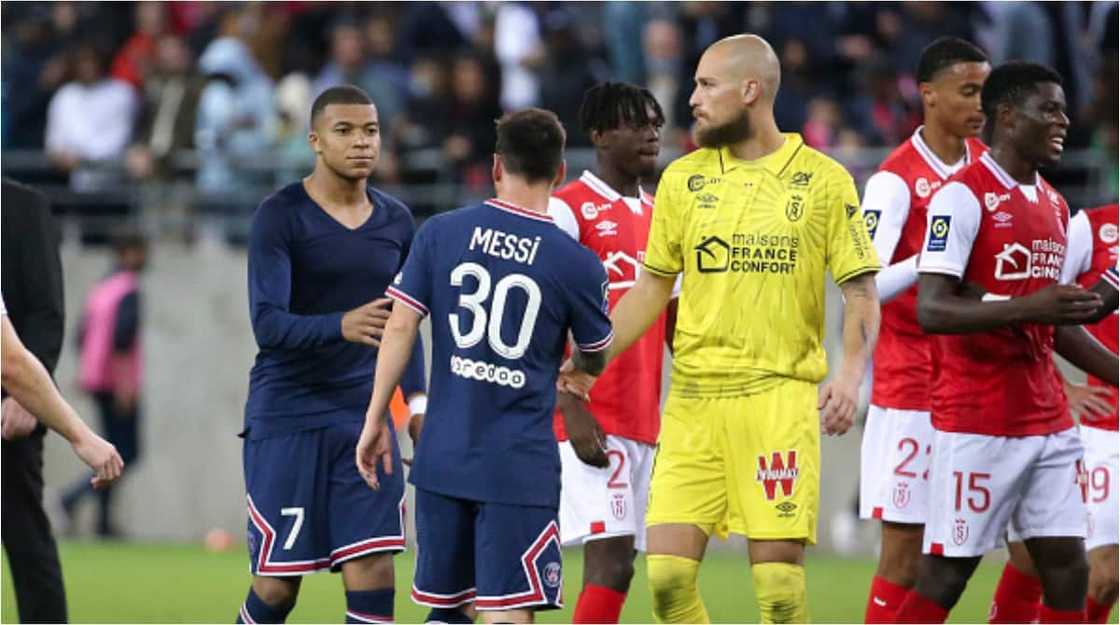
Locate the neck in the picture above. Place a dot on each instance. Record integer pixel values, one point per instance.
(766, 139)
(1019, 168)
(335, 189)
(947, 146)
(533, 197)
(617, 179)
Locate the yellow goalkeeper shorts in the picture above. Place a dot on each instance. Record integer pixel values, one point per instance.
(744, 465)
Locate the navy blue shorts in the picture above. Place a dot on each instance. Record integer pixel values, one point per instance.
(310, 510)
(498, 556)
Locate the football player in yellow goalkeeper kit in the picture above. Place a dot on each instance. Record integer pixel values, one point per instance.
(753, 219)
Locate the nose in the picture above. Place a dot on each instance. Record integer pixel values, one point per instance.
(694, 99)
(1063, 119)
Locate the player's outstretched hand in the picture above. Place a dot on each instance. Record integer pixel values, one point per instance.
(1085, 400)
(99, 455)
(574, 381)
(584, 432)
(366, 323)
(16, 422)
(837, 402)
(375, 446)
(1061, 304)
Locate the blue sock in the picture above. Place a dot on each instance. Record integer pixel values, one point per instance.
(255, 610)
(369, 606)
(447, 615)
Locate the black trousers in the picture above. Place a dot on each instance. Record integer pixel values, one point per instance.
(26, 533)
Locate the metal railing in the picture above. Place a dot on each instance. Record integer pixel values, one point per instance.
(172, 205)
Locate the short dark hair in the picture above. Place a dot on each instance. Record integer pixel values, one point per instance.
(129, 238)
(531, 143)
(610, 105)
(340, 94)
(946, 52)
(1011, 83)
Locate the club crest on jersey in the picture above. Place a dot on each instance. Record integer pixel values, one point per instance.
(589, 210)
(552, 574)
(713, 255)
(1108, 234)
(618, 506)
(938, 233)
(922, 188)
(960, 532)
(779, 471)
(901, 496)
(795, 207)
(871, 220)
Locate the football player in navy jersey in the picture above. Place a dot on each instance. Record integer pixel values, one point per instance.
(504, 287)
(321, 253)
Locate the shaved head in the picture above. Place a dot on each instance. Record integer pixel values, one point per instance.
(737, 81)
(745, 58)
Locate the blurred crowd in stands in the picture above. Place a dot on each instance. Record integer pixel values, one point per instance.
(212, 98)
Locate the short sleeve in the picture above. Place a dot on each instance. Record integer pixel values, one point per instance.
(663, 249)
(886, 207)
(850, 252)
(951, 227)
(413, 284)
(1079, 248)
(564, 217)
(591, 325)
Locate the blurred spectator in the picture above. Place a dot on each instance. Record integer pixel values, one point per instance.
(469, 129)
(348, 65)
(382, 56)
(624, 44)
(661, 44)
(236, 120)
(822, 124)
(111, 367)
(35, 64)
(567, 72)
(881, 111)
(89, 120)
(429, 28)
(520, 51)
(170, 104)
(138, 56)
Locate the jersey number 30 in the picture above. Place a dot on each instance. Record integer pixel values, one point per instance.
(488, 324)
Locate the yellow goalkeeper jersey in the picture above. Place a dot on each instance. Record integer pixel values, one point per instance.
(753, 240)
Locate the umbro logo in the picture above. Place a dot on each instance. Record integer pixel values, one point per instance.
(801, 179)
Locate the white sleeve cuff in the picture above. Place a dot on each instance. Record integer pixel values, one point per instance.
(418, 404)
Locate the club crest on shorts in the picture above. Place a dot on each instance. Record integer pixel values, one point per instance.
(618, 506)
(901, 496)
(779, 470)
(552, 574)
(960, 532)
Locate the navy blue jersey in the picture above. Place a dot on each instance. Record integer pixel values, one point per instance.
(305, 271)
(504, 287)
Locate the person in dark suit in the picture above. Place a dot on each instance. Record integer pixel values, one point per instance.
(31, 281)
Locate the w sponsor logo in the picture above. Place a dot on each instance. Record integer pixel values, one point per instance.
(779, 471)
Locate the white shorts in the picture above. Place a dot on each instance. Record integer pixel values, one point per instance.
(602, 503)
(982, 486)
(894, 465)
(1102, 448)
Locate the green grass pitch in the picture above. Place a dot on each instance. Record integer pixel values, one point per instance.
(152, 583)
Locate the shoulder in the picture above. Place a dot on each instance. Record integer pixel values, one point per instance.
(901, 160)
(699, 161)
(20, 195)
(276, 211)
(572, 192)
(824, 167)
(391, 203)
(954, 197)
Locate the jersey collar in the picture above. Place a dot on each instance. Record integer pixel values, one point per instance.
(775, 162)
(520, 211)
(607, 192)
(1004, 178)
(930, 157)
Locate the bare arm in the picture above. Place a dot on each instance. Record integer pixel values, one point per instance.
(945, 307)
(839, 397)
(1106, 288)
(638, 309)
(671, 323)
(27, 380)
(1077, 346)
(374, 445)
(583, 430)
